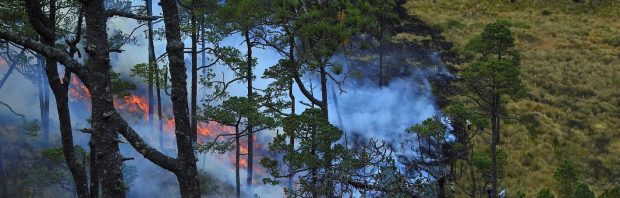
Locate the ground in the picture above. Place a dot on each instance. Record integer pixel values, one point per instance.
(571, 68)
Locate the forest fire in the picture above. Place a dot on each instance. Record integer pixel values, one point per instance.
(77, 90)
(206, 130)
(134, 104)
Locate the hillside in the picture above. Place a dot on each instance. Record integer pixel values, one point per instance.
(571, 68)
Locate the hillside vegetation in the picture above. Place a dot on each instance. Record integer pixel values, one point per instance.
(571, 68)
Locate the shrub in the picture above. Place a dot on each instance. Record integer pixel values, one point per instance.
(566, 176)
(545, 193)
(611, 193)
(582, 191)
(612, 40)
(450, 24)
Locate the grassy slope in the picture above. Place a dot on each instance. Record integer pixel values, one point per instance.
(571, 68)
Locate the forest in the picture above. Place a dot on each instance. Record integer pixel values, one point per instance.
(310, 98)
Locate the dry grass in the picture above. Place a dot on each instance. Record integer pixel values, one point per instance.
(571, 67)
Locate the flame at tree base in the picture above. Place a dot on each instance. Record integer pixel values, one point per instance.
(138, 107)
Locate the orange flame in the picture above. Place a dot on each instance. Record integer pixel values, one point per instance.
(211, 129)
(206, 130)
(77, 90)
(2, 61)
(169, 125)
(134, 104)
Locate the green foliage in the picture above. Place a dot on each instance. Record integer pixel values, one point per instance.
(505, 22)
(566, 176)
(520, 194)
(328, 162)
(54, 154)
(337, 69)
(611, 193)
(31, 127)
(377, 13)
(612, 40)
(544, 193)
(236, 112)
(558, 60)
(457, 111)
(496, 39)
(119, 86)
(243, 14)
(235, 108)
(582, 191)
(450, 24)
(527, 158)
(481, 160)
(316, 149)
(142, 71)
(429, 127)
(40, 176)
(491, 76)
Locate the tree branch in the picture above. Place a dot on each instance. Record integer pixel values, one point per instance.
(305, 91)
(58, 55)
(12, 111)
(37, 19)
(142, 147)
(125, 14)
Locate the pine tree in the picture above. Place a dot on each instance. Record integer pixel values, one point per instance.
(492, 76)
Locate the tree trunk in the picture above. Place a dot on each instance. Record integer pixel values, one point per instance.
(187, 174)
(5, 191)
(494, 143)
(151, 69)
(323, 106)
(78, 170)
(60, 91)
(329, 184)
(45, 117)
(237, 156)
(194, 95)
(291, 57)
(472, 173)
(249, 74)
(441, 185)
(43, 99)
(106, 138)
(154, 70)
(160, 127)
(9, 72)
(94, 176)
(381, 53)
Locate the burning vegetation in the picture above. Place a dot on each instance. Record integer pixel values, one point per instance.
(275, 98)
